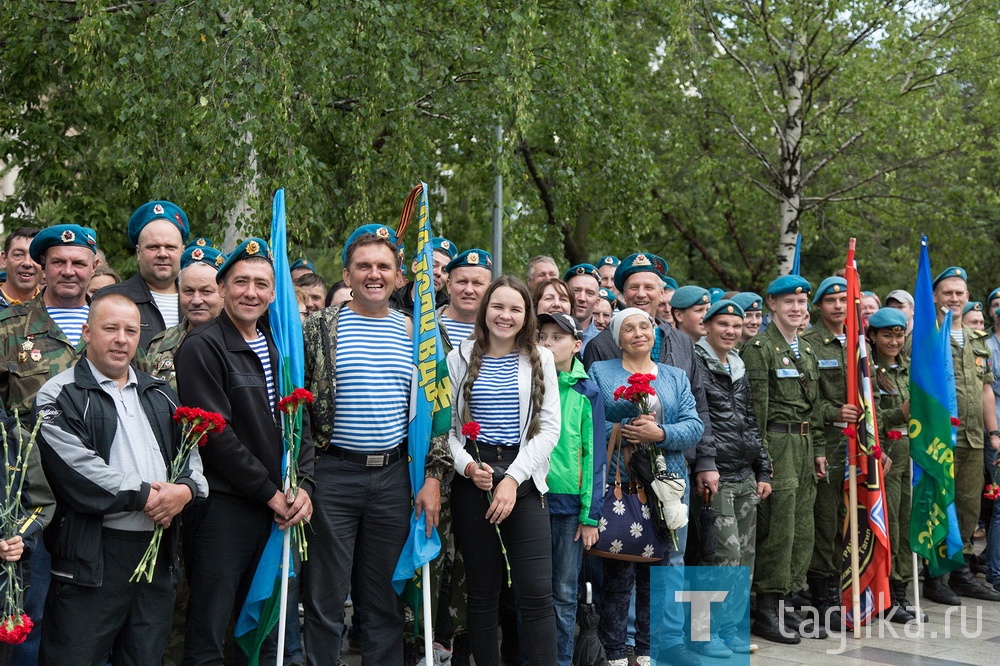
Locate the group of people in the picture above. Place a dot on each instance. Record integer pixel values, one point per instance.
(749, 418)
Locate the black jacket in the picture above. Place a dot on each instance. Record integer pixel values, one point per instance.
(137, 291)
(217, 371)
(79, 421)
(739, 451)
(676, 350)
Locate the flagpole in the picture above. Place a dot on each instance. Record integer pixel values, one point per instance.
(916, 575)
(286, 551)
(855, 564)
(425, 574)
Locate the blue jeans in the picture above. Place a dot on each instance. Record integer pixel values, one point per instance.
(39, 577)
(992, 553)
(567, 558)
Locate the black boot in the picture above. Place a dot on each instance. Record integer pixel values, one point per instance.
(768, 624)
(963, 583)
(899, 589)
(975, 565)
(798, 599)
(793, 621)
(897, 612)
(938, 592)
(832, 605)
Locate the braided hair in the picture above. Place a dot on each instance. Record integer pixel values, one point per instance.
(525, 342)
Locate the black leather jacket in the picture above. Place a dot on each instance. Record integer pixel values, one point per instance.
(739, 451)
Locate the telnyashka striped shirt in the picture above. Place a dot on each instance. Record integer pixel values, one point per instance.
(495, 405)
(958, 335)
(794, 344)
(70, 321)
(457, 330)
(374, 373)
(259, 347)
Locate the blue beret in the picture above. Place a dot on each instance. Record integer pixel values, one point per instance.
(200, 241)
(252, 247)
(749, 301)
(608, 260)
(950, 272)
(375, 229)
(725, 307)
(715, 293)
(475, 257)
(688, 296)
(972, 306)
(608, 295)
(582, 269)
(209, 256)
(157, 210)
(61, 234)
(302, 263)
(670, 283)
(444, 245)
(887, 318)
(993, 294)
(831, 285)
(789, 284)
(638, 263)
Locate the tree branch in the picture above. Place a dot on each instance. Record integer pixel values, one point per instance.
(832, 156)
(536, 178)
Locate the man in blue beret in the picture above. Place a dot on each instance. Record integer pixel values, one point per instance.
(443, 252)
(972, 316)
(784, 381)
(664, 311)
(605, 308)
(640, 281)
(828, 338)
(753, 308)
(22, 274)
(300, 267)
(607, 265)
(688, 306)
(974, 390)
(993, 301)
(359, 367)
(158, 230)
(584, 281)
(230, 366)
(39, 338)
(469, 275)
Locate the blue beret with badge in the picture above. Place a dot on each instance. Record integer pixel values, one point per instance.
(951, 272)
(200, 241)
(689, 296)
(248, 249)
(831, 285)
(582, 269)
(972, 306)
(749, 301)
(439, 244)
(59, 235)
(302, 263)
(789, 284)
(670, 283)
(716, 293)
(993, 294)
(202, 255)
(640, 262)
(153, 211)
(887, 318)
(475, 258)
(724, 307)
(379, 230)
(608, 260)
(609, 296)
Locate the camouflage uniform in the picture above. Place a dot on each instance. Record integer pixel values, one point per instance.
(829, 511)
(785, 395)
(159, 361)
(32, 349)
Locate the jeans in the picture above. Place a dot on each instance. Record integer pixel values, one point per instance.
(620, 579)
(37, 579)
(567, 557)
(364, 512)
(993, 533)
(527, 537)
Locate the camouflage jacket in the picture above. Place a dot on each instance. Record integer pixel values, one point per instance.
(159, 359)
(32, 350)
(319, 333)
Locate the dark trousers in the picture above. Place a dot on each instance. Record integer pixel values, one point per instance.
(361, 518)
(83, 625)
(528, 539)
(223, 540)
(36, 576)
(619, 579)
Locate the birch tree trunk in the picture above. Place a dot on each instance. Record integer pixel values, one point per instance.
(791, 160)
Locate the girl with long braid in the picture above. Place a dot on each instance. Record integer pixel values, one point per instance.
(504, 382)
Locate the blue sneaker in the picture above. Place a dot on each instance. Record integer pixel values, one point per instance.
(713, 648)
(738, 645)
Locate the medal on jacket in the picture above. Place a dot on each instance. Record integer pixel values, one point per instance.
(785, 360)
(36, 355)
(27, 346)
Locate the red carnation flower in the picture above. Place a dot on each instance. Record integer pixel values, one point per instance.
(14, 630)
(955, 422)
(471, 430)
(849, 432)
(894, 435)
(877, 452)
(620, 392)
(290, 403)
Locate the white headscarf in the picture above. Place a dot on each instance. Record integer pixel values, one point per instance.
(621, 316)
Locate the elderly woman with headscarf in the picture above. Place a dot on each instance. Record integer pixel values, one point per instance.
(673, 426)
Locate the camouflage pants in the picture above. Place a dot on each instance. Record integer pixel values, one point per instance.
(829, 511)
(897, 497)
(968, 491)
(735, 523)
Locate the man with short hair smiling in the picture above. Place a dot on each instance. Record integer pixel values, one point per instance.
(540, 269)
(107, 441)
(688, 306)
(469, 274)
(753, 308)
(23, 274)
(314, 289)
(584, 281)
(157, 230)
(230, 366)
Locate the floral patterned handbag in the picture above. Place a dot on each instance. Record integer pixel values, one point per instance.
(625, 530)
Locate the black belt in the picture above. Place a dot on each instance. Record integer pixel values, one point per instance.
(789, 428)
(380, 459)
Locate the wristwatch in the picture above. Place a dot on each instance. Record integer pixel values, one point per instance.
(994, 432)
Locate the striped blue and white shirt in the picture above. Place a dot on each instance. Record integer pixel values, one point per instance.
(842, 338)
(374, 373)
(794, 344)
(457, 330)
(958, 335)
(495, 405)
(70, 321)
(259, 347)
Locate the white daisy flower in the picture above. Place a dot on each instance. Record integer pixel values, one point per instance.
(645, 511)
(635, 530)
(618, 507)
(648, 550)
(616, 546)
(602, 524)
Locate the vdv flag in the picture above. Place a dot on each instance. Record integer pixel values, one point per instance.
(797, 258)
(430, 394)
(934, 532)
(863, 449)
(259, 614)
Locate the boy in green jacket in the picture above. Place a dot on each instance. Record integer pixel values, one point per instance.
(578, 467)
